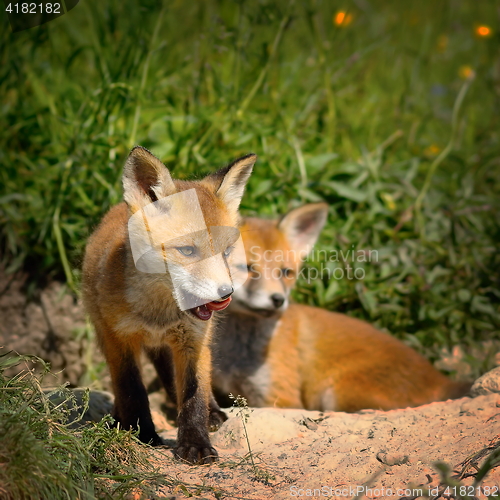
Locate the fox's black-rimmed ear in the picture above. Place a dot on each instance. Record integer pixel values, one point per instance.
(145, 179)
(229, 182)
(302, 226)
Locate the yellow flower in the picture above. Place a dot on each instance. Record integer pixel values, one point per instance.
(466, 72)
(342, 18)
(432, 150)
(483, 31)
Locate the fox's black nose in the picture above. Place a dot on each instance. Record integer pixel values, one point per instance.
(225, 291)
(278, 299)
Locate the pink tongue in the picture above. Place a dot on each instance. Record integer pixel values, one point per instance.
(218, 306)
(202, 312)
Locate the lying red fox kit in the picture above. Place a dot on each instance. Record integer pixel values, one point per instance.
(306, 357)
(155, 270)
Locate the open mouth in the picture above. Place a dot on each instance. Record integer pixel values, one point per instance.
(259, 312)
(204, 312)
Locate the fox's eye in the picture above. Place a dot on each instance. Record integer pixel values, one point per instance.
(251, 269)
(287, 272)
(245, 267)
(186, 251)
(227, 251)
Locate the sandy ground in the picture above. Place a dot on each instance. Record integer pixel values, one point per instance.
(372, 454)
(296, 454)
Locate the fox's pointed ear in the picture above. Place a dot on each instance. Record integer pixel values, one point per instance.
(145, 179)
(302, 226)
(229, 182)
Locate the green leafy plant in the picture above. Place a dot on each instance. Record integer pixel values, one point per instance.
(358, 114)
(43, 456)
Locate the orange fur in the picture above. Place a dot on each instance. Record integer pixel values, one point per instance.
(364, 367)
(307, 357)
(134, 310)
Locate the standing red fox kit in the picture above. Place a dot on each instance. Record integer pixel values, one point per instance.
(306, 357)
(155, 270)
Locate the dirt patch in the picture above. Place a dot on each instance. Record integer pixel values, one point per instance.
(373, 454)
(50, 325)
(275, 453)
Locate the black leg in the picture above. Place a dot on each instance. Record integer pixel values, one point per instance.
(131, 400)
(193, 443)
(163, 363)
(216, 416)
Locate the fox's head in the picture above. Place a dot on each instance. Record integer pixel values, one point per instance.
(275, 250)
(185, 232)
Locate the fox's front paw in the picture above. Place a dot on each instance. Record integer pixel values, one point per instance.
(196, 454)
(216, 418)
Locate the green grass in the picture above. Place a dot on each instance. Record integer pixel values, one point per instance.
(355, 115)
(42, 456)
